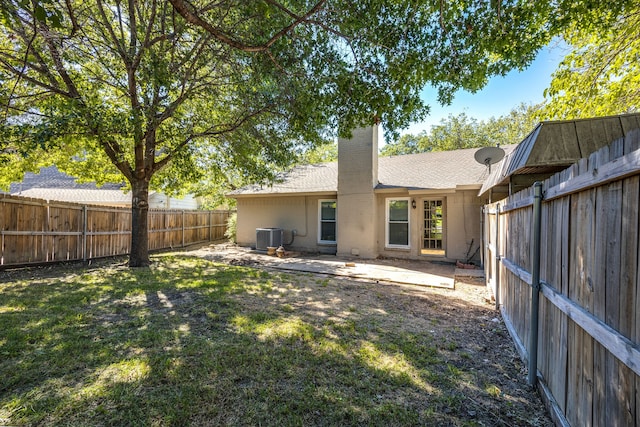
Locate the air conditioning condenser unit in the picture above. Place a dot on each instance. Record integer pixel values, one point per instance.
(266, 237)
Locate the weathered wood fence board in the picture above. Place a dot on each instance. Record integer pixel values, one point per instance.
(589, 315)
(33, 231)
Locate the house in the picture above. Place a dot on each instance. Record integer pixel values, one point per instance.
(418, 206)
(52, 184)
(413, 206)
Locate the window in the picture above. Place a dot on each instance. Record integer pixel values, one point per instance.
(327, 221)
(398, 223)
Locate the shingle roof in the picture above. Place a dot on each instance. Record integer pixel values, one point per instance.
(432, 170)
(318, 178)
(79, 195)
(51, 177)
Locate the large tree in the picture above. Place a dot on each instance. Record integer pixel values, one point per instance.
(164, 93)
(601, 73)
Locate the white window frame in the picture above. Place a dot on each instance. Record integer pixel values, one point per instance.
(320, 221)
(386, 226)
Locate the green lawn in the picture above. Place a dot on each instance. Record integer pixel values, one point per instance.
(192, 342)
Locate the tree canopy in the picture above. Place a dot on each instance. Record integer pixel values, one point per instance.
(164, 93)
(601, 74)
(327, 152)
(462, 131)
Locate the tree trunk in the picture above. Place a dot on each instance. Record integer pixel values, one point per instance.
(139, 256)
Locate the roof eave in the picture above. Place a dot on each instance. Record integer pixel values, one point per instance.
(282, 194)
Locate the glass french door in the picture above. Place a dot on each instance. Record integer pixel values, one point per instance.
(433, 228)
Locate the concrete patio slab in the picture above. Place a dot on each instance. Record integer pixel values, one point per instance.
(368, 271)
(422, 273)
(466, 272)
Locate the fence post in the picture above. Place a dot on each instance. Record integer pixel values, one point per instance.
(84, 233)
(183, 229)
(535, 283)
(483, 242)
(497, 249)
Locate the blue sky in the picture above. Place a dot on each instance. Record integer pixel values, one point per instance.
(500, 95)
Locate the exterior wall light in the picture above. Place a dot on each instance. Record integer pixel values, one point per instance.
(413, 203)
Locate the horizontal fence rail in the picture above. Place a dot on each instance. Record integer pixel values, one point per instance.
(588, 321)
(34, 231)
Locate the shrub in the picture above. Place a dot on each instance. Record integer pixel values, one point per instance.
(231, 227)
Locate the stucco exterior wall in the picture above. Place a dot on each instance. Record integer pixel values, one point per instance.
(461, 225)
(357, 219)
(361, 230)
(290, 213)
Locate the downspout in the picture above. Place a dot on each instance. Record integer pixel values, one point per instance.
(535, 284)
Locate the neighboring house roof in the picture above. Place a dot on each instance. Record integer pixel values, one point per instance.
(80, 195)
(554, 145)
(52, 184)
(51, 177)
(437, 170)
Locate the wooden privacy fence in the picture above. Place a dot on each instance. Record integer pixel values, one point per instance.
(585, 343)
(34, 231)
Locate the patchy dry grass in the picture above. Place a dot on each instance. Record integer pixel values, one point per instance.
(192, 342)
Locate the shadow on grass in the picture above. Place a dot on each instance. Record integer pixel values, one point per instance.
(192, 342)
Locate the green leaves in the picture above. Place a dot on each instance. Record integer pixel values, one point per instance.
(46, 12)
(600, 76)
(462, 131)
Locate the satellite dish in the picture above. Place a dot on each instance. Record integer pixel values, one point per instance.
(488, 156)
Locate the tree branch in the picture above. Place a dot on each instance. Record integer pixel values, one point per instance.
(74, 22)
(19, 75)
(297, 19)
(116, 41)
(190, 14)
(60, 68)
(610, 56)
(43, 68)
(114, 152)
(147, 35)
(230, 127)
(9, 67)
